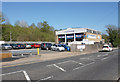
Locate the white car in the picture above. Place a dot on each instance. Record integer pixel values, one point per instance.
(28, 46)
(6, 46)
(58, 47)
(107, 48)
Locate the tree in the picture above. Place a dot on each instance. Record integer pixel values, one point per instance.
(21, 23)
(112, 31)
(39, 25)
(33, 25)
(2, 19)
(105, 37)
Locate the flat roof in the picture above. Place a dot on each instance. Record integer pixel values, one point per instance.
(74, 30)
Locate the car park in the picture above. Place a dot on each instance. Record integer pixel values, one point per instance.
(107, 48)
(57, 47)
(6, 46)
(35, 45)
(46, 46)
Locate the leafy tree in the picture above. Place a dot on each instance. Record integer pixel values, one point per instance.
(33, 25)
(112, 31)
(105, 37)
(2, 19)
(21, 23)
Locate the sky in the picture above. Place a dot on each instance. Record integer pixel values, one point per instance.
(62, 15)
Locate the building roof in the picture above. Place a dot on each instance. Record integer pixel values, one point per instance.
(74, 30)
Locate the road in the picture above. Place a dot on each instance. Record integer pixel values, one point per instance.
(95, 66)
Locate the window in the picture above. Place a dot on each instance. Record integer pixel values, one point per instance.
(88, 30)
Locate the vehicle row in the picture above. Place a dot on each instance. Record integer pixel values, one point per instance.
(43, 46)
(20, 46)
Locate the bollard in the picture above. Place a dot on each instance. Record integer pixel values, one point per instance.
(38, 51)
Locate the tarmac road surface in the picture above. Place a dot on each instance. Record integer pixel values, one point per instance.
(95, 66)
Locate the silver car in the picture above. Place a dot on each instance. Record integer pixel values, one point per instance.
(6, 46)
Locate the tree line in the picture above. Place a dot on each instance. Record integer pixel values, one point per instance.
(21, 31)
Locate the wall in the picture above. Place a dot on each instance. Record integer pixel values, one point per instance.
(5, 55)
(88, 48)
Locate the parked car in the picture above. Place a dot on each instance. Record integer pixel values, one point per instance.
(27, 45)
(6, 46)
(67, 48)
(57, 47)
(14, 46)
(107, 48)
(21, 46)
(35, 45)
(46, 46)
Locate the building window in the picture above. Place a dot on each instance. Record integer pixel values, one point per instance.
(70, 38)
(89, 31)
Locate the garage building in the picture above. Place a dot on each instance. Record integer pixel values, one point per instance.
(78, 36)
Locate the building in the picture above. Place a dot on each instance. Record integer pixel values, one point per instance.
(78, 35)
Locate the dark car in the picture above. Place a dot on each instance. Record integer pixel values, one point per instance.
(21, 46)
(14, 46)
(46, 46)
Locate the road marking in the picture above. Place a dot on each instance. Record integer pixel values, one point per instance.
(77, 62)
(26, 76)
(64, 62)
(98, 55)
(11, 73)
(24, 72)
(104, 58)
(59, 63)
(84, 58)
(47, 78)
(83, 66)
(105, 55)
(59, 67)
(20, 64)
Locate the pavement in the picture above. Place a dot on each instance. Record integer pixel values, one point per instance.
(44, 56)
(69, 66)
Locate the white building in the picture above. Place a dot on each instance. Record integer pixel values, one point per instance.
(78, 36)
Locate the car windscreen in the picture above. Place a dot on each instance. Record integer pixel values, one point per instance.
(59, 46)
(7, 44)
(105, 46)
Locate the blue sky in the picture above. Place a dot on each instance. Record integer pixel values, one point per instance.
(62, 15)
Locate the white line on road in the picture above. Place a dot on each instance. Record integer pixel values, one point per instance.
(104, 58)
(47, 78)
(59, 67)
(11, 73)
(83, 66)
(59, 63)
(84, 58)
(77, 62)
(64, 62)
(98, 55)
(105, 55)
(26, 76)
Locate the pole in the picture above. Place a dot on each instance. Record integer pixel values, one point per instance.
(38, 51)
